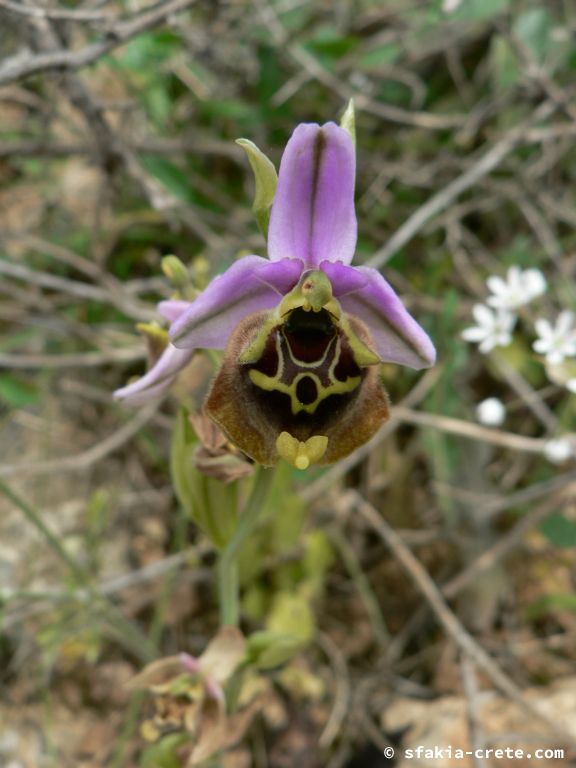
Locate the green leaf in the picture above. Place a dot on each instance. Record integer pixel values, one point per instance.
(208, 502)
(534, 29)
(266, 180)
(318, 557)
(146, 52)
(16, 392)
(549, 603)
(479, 10)
(504, 66)
(328, 42)
(267, 649)
(172, 177)
(559, 530)
(164, 754)
(381, 56)
(291, 614)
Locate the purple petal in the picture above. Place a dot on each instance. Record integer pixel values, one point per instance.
(313, 215)
(158, 380)
(397, 336)
(281, 275)
(250, 284)
(171, 310)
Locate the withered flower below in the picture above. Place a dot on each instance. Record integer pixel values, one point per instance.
(304, 332)
(189, 697)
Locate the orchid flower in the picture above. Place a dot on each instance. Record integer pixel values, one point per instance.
(304, 332)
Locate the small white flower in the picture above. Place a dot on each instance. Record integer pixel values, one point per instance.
(571, 385)
(558, 450)
(494, 328)
(491, 412)
(518, 289)
(448, 6)
(556, 341)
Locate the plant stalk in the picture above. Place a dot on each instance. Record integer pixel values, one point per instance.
(228, 565)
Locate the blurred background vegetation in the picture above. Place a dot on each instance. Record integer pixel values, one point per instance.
(117, 129)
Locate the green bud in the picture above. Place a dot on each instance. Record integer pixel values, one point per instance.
(175, 271)
(266, 180)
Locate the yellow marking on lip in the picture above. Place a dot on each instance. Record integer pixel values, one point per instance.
(272, 384)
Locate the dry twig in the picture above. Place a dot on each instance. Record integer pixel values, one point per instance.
(23, 65)
(447, 618)
(86, 459)
(485, 164)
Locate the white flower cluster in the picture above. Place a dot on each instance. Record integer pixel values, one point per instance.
(494, 328)
(557, 341)
(496, 319)
(519, 288)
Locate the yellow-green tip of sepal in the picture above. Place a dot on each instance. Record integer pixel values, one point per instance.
(156, 339)
(301, 454)
(348, 120)
(266, 179)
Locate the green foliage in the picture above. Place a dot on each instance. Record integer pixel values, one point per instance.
(480, 10)
(18, 392)
(534, 29)
(559, 530)
(172, 177)
(381, 56)
(550, 603)
(208, 501)
(164, 753)
(272, 648)
(504, 66)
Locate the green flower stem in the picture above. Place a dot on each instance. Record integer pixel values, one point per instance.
(228, 565)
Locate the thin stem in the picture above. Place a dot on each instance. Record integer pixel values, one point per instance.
(363, 586)
(33, 517)
(228, 566)
(229, 590)
(125, 630)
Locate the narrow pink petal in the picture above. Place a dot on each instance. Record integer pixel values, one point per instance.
(158, 380)
(250, 284)
(397, 336)
(313, 215)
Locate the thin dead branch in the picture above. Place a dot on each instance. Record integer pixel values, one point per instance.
(507, 543)
(24, 65)
(446, 617)
(88, 458)
(442, 199)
